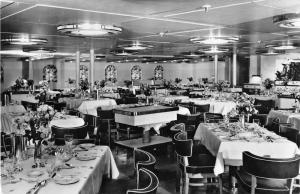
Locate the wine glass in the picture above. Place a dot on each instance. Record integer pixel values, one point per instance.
(68, 141)
(257, 121)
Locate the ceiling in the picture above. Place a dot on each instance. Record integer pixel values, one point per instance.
(168, 25)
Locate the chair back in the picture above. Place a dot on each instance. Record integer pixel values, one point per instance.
(212, 117)
(264, 106)
(292, 134)
(105, 114)
(201, 108)
(183, 146)
(147, 183)
(77, 132)
(143, 159)
(272, 168)
(178, 127)
(131, 100)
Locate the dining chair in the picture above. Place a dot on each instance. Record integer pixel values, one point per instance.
(275, 125)
(5, 145)
(191, 122)
(147, 183)
(194, 161)
(266, 175)
(77, 132)
(292, 134)
(143, 159)
(188, 105)
(264, 106)
(107, 122)
(212, 117)
(177, 127)
(203, 108)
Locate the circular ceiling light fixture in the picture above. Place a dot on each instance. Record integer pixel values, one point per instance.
(23, 40)
(214, 50)
(122, 53)
(39, 50)
(290, 20)
(91, 30)
(136, 46)
(288, 46)
(215, 40)
(269, 52)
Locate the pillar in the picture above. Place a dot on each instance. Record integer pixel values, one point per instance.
(77, 68)
(234, 68)
(91, 69)
(216, 68)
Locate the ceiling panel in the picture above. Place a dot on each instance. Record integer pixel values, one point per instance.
(232, 15)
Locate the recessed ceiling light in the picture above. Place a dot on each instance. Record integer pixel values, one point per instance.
(290, 20)
(214, 50)
(287, 46)
(23, 40)
(215, 40)
(39, 50)
(86, 29)
(136, 46)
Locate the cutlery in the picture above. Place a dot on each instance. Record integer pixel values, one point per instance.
(39, 185)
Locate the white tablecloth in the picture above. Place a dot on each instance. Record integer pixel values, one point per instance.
(90, 174)
(90, 107)
(17, 98)
(72, 103)
(70, 122)
(285, 117)
(222, 107)
(12, 108)
(229, 152)
(169, 99)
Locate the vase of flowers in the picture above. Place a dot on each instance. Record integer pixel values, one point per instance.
(244, 108)
(268, 84)
(297, 102)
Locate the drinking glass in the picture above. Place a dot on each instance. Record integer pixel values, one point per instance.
(68, 140)
(256, 121)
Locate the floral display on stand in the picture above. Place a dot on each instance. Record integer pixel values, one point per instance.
(268, 83)
(50, 73)
(99, 84)
(297, 101)
(158, 72)
(136, 73)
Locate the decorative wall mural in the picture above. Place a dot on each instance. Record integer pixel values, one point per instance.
(84, 72)
(50, 73)
(111, 73)
(290, 72)
(136, 73)
(158, 72)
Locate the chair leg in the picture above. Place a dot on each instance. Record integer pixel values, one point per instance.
(292, 186)
(108, 128)
(186, 184)
(178, 180)
(220, 184)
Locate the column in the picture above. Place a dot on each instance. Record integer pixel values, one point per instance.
(234, 68)
(77, 68)
(30, 70)
(91, 69)
(216, 68)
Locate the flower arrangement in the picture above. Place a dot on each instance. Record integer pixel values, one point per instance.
(99, 84)
(20, 83)
(71, 81)
(146, 90)
(190, 79)
(84, 84)
(245, 104)
(30, 82)
(268, 83)
(222, 84)
(177, 80)
(127, 83)
(297, 96)
(112, 79)
(167, 84)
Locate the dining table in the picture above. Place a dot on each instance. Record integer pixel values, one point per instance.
(18, 98)
(83, 177)
(66, 121)
(285, 116)
(227, 142)
(9, 114)
(90, 106)
(216, 106)
(147, 117)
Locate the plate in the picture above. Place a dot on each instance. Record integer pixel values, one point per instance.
(16, 113)
(35, 173)
(87, 145)
(85, 157)
(66, 179)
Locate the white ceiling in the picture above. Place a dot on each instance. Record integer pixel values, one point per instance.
(168, 25)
